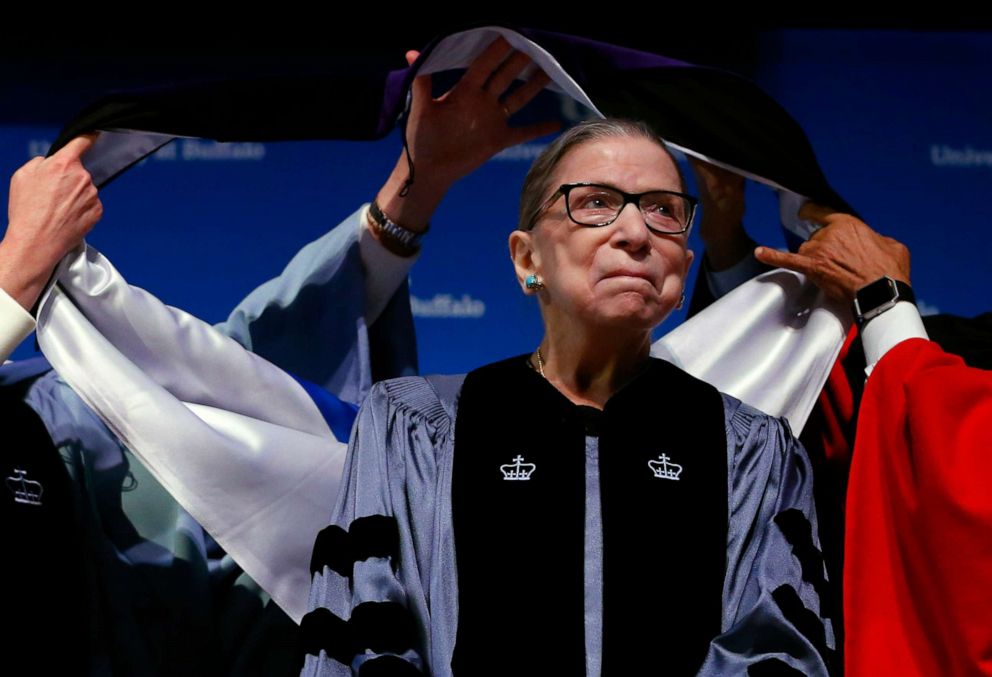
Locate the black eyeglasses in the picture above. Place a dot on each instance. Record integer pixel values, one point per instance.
(595, 205)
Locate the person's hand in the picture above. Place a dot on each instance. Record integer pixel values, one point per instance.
(721, 200)
(456, 133)
(843, 256)
(52, 205)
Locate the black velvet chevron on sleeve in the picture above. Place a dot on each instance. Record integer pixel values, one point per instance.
(384, 627)
(799, 533)
(804, 620)
(367, 537)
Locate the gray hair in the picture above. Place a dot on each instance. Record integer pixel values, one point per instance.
(535, 188)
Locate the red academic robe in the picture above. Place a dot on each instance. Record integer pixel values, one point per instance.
(918, 573)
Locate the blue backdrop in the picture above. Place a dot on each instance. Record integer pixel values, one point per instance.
(900, 122)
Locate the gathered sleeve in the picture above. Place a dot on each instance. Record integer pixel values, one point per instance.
(774, 621)
(376, 569)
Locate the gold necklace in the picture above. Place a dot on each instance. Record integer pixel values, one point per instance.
(540, 363)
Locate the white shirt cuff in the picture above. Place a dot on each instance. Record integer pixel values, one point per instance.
(15, 324)
(725, 281)
(894, 326)
(384, 270)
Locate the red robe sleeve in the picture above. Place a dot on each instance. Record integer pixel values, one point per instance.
(918, 574)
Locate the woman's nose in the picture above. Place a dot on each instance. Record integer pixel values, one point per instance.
(629, 230)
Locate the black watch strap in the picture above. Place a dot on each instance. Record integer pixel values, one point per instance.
(874, 299)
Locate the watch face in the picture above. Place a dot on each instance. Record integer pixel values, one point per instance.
(876, 296)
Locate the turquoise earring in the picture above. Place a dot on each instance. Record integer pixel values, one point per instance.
(533, 283)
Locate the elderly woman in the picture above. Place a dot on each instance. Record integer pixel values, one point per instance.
(583, 509)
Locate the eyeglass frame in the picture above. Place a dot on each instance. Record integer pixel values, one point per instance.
(628, 198)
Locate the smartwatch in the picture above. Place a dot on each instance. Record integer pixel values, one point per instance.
(874, 299)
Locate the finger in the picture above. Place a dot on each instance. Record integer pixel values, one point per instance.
(698, 168)
(526, 92)
(95, 214)
(506, 73)
(719, 175)
(484, 65)
(704, 168)
(77, 146)
(841, 229)
(816, 213)
(421, 87)
(527, 133)
(422, 90)
(796, 262)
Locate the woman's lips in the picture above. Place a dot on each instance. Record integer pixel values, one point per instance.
(629, 273)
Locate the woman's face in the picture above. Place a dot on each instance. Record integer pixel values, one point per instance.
(622, 274)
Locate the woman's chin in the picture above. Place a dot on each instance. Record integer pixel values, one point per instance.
(632, 312)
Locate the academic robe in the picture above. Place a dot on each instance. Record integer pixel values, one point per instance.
(385, 593)
(918, 570)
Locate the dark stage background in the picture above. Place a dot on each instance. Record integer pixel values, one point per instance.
(900, 120)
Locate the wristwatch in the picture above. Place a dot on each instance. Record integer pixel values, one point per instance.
(406, 241)
(874, 299)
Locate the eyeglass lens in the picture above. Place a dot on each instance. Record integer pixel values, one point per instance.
(598, 205)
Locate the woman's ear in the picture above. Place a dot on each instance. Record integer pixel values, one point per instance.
(688, 263)
(525, 261)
